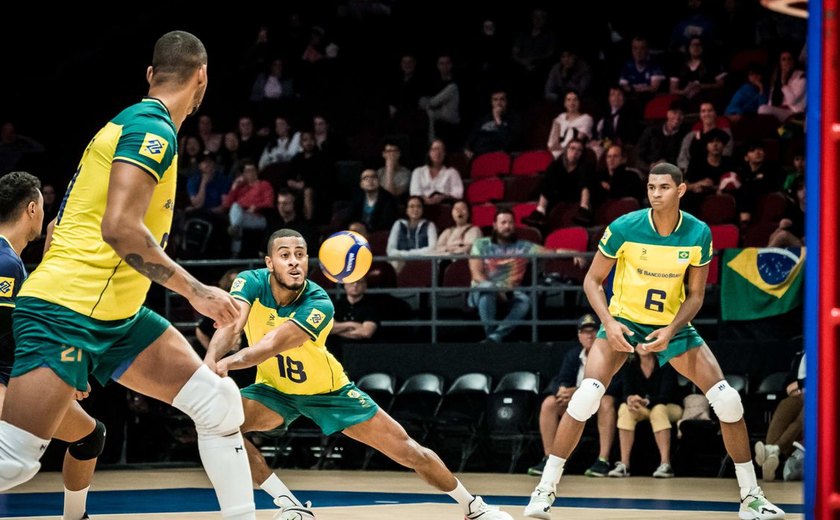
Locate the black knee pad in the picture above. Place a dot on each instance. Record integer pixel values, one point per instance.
(90, 446)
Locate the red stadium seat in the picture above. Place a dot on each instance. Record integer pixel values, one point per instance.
(574, 238)
(724, 236)
(771, 208)
(718, 209)
(657, 108)
(529, 233)
(612, 209)
(490, 164)
(522, 210)
(485, 190)
(483, 214)
(531, 162)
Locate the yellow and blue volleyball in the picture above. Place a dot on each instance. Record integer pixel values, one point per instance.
(345, 257)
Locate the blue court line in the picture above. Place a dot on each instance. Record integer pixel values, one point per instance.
(199, 499)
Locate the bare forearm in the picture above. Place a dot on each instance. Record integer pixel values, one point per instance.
(688, 310)
(273, 343)
(597, 299)
(222, 342)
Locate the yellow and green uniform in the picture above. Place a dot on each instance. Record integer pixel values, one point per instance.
(83, 297)
(648, 285)
(306, 380)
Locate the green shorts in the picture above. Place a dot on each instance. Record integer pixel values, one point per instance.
(75, 346)
(332, 412)
(684, 340)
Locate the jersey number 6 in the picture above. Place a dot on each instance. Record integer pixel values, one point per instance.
(655, 300)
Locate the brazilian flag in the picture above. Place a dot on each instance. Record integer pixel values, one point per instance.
(760, 282)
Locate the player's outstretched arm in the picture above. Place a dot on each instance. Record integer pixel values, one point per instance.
(593, 286)
(130, 191)
(287, 336)
(226, 338)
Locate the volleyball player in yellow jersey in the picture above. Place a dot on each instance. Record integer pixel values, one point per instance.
(287, 319)
(657, 253)
(81, 312)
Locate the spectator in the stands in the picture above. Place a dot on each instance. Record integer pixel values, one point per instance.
(51, 205)
(618, 126)
(288, 216)
(750, 95)
(212, 140)
(756, 177)
(283, 144)
(533, 51)
(498, 131)
(693, 143)
(251, 144)
(435, 182)
(272, 85)
(695, 23)
(442, 103)
(207, 186)
(458, 238)
(569, 73)
(786, 424)
(567, 179)
(648, 395)
(311, 177)
(616, 180)
(393, 176)
(641, 74)
(705, 172)
(372, 204)
(570, 124)
(661, 141)
(230, 158)
(787, 89)
(496, 281)
(791, 230)
(327, 139)
(412, 235)
(405, 91)
(357, 315)
(247, 201)
(697, 73)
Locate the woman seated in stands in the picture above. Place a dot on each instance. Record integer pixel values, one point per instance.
(458, 239)
(648, 396)
(435, 182)
(697, 73)
(412, 235)
(787, 89)
(569, 125)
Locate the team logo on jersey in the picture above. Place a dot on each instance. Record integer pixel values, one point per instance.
(238, 284)
(153, 147)
(683, 256)
(7, 286)
(316, 318)
(606, 237)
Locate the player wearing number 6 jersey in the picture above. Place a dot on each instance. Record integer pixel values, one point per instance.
(657, 254)
(286, 319)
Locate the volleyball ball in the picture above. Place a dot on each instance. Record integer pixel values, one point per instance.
(345, 257)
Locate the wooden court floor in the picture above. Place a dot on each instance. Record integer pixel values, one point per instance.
(180, 494)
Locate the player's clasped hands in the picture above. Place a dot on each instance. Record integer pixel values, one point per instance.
(216, 304)
(657, 340)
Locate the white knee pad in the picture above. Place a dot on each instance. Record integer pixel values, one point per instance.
(20, 452)
(586, 399)
(212, 402)
(726, 402)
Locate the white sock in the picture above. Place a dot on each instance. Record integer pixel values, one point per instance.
(75, 504)
(461, 495)
(745, 473)
(552, 473)
(278, 491)
(226, 463)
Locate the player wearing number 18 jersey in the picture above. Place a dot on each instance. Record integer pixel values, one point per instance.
(287, 319)
(661, 259)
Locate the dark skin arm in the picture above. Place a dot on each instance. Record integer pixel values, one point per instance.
(123, 228)
(287, 336)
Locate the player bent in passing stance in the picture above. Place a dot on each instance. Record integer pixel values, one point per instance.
(287, 319)
(656, 252)
(81, 312)
(21, 218)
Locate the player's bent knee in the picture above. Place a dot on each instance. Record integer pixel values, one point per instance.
(726, 402)
(20, 452)
(90, 446)
(213, 403)
(586, 399)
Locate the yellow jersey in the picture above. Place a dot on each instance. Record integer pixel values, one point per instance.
(80, 271)
(648, 283)
(309, 369)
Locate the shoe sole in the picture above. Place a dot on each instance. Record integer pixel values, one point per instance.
(760, 454)
(663, 476)
(593, 474)
(745, 515)
(535, 473)
(768, 469)
(543, 515)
